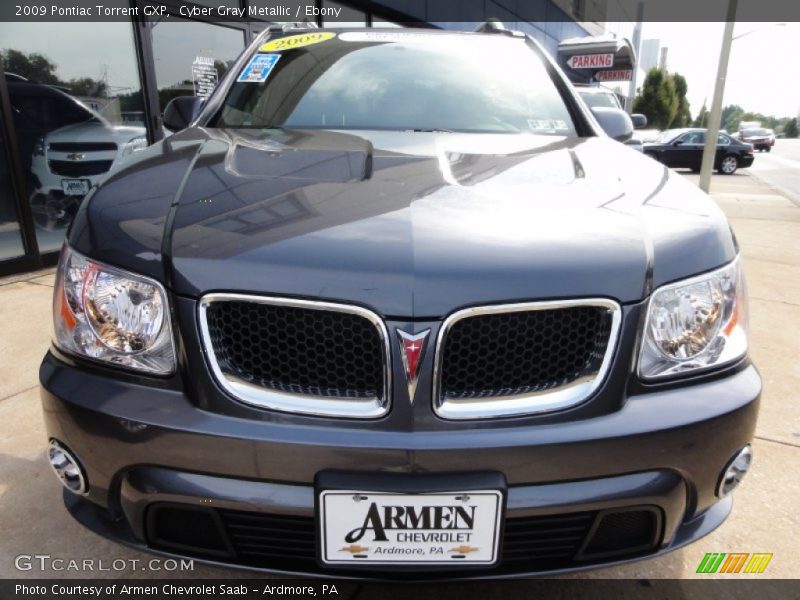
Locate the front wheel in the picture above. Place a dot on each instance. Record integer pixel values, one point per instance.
(729, 165)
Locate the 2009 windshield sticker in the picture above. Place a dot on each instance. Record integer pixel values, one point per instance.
(259, 68)
(296, 41)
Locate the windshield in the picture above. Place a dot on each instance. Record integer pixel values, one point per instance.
(599, 99)
(398, 81)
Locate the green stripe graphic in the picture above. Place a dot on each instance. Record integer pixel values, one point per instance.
(711, 562)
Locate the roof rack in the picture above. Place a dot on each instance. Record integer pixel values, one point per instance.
(492, 25)
(305, 24)
(497, 26)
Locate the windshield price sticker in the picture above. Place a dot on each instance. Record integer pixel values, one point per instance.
(377, 527)
(296, 41)
(259, 68)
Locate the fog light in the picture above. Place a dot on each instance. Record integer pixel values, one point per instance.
(67, 468)
(735, 471)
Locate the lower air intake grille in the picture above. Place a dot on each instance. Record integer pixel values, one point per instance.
(286, 542)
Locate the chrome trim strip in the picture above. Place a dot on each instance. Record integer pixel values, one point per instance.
(522, 404)
(355, 408)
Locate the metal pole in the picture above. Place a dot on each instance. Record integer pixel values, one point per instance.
(710, 149)
(637, 38)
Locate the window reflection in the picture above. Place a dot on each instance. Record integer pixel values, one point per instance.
(77, 108)
(10, 237)
(190, 54)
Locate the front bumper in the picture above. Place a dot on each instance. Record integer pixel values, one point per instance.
(143, 444)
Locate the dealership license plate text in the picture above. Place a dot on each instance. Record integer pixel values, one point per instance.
(379, 527)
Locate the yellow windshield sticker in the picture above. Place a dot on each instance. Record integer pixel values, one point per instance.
(296, 41)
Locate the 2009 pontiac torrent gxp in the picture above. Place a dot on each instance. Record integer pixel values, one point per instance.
(397, 305)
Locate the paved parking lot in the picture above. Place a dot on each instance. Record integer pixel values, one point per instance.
(765, 517)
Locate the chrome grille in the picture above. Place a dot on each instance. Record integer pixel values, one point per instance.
(522, 358)
(298, 356)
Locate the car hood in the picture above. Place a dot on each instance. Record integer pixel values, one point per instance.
(95, 131)
(410, 224)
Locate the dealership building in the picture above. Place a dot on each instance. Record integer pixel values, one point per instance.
(124, 71)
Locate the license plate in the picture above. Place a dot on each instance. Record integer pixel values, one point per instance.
(75, 187)
(379, 527)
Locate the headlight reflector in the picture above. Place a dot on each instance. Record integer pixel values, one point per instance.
(695, 324)
(110, 315)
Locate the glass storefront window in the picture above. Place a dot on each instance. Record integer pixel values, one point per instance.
(77, 108)
(190, 56)
(10, 236)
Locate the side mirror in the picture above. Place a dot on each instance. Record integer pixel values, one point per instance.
(181, 111)
(639, 121)
(677, 143)
(615, 122)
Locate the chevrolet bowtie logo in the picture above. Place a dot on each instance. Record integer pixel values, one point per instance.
(76, 156)
(354, 549)
(463, 549)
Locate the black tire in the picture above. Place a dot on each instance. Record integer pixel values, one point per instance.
(728, 164)
(769, 148)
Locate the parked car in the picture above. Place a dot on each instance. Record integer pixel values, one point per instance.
(370, 317)
(760, 138)
(596, 96)
(66, 148)
(683, 148)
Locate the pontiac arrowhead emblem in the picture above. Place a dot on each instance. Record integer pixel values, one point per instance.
(412, 349)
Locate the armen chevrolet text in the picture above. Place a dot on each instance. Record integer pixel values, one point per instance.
(398, 304)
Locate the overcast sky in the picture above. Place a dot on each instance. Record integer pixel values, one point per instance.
(762, 73)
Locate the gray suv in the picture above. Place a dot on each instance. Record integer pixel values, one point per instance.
(383, 307)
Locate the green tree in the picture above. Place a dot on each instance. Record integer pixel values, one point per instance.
(657, 100)
(790, 129)
(86, 86)
(33, 66)
(702, 117)
(683, 117)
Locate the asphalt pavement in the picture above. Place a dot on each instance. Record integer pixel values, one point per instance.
(765, 516)
(780, 168)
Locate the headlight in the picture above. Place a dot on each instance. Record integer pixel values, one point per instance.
(695, 324)
(38, 147)
(110, 315)
(135, 145)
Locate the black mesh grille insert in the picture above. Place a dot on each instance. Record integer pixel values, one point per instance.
(505, 354)
(625, 531)
(298, 350)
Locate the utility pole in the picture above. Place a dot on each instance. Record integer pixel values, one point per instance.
(637, 38)
(710, 149)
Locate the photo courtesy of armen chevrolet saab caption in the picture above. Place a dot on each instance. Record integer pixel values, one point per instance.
(399, 305)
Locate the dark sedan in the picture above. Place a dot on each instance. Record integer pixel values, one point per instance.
(683, 148)
(397, 304)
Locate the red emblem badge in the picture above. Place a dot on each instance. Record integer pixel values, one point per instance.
(412, 349)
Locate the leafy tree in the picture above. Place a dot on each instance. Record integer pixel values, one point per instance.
(86, 86)
(683, 117)
(657, 100)
(790, 129)
(702, 117)
(33, 66)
